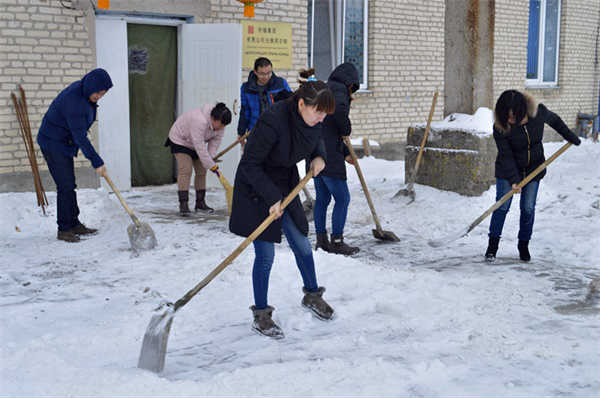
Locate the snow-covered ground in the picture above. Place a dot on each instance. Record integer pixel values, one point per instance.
(411, 319)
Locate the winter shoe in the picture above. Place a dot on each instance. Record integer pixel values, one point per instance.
(264, 324)
(523, 247)
(67, 236)
(83, 230)
(319, 307)
(200, 203)
(322, 242)
(184, 210)
(338, 246)
(492, 249)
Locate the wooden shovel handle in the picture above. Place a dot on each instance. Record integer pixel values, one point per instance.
(224, 151)
(116, 191)
(362, 181)
(524, 182)
(259, 230)
(424, 140)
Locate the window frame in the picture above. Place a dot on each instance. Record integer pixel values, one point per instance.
(539, 81)
(363, 86)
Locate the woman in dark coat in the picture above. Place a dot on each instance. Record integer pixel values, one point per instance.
(518, 132)
(343, 81)
(286, 133)
(62, 133)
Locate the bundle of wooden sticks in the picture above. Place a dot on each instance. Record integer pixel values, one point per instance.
(23, 117)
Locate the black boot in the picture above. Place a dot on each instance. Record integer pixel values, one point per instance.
(200, 203)
(338, 246)
(492, 249)
(184, 210)
(322, 242)
(523, 247)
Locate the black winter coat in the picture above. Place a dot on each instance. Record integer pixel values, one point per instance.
(338, 124)
(520, 150)
(267, 172)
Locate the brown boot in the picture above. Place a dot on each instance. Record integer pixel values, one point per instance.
(322, 242)
(67, 236)
(83, 230)
(264, 324)
(184, 210)
(338, 246)
(200, 203)
(319, 307)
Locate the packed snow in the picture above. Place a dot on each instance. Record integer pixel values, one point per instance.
(411, 319)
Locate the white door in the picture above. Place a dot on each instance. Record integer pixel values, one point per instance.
(211, 64)
(113, 111)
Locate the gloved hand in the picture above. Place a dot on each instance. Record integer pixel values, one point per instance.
(577, 142)
(215, 169)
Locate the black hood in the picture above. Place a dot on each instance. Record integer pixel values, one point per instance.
(346, 74)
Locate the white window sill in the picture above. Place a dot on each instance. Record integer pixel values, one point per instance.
(542, 86)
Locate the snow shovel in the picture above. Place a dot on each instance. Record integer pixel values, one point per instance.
(154, 346)
(461, 233)
(234, 143)
(141, 235)
(309, 204)
(378, 232)
(409, 190)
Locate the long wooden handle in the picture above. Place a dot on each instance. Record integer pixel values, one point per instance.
(224, 151)
(259, 230)
(362, 181)
(424, 140)
(524, 182)
(127, 209)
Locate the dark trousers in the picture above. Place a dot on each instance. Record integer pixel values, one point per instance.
(326, 187)
(63, 172)
(527, 203)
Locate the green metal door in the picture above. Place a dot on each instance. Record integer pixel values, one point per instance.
(152, 94)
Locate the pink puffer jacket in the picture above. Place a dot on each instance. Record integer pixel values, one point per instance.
(193, 130)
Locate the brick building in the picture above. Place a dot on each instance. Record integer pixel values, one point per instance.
(400, 46)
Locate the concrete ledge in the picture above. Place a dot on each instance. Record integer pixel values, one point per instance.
(22, 181)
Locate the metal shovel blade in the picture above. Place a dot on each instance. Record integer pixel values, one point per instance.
(154, 346)
(385, 235)
(406, 192)
(141, 237)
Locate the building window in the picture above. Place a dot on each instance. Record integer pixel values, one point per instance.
(543, 42)
(337, 33)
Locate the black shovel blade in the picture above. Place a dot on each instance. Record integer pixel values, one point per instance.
(385, 235)
(154, 346)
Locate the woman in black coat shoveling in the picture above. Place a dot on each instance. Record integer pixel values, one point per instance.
(343, 81)
(288, 132)
(518, 132)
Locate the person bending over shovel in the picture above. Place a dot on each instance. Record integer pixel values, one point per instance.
(289, 131)
(194, 139)
(518, 132)
(62, 133)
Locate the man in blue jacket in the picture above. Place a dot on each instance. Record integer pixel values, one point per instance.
(62, 133)
(258, 93)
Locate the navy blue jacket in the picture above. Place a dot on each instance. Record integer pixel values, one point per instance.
(250, 110)
(343, 79)
(267, 172)
(520, 149)
(65, 125)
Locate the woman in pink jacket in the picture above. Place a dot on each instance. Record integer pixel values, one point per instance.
(194, 139)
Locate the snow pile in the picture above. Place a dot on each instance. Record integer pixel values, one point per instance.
(481, 123)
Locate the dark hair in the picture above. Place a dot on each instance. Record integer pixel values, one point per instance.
(510, 100)
(262, 62)
(221, 113)
(314, 92)
(282, 95)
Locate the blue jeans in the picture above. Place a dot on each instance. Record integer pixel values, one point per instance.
(325, 188)
(265, 254)
(527, 203)
(62, 170)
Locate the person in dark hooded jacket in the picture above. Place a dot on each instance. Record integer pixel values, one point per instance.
(63, 132)
(286, 133)
(257, 94)
(518, 132)
(343, 81)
